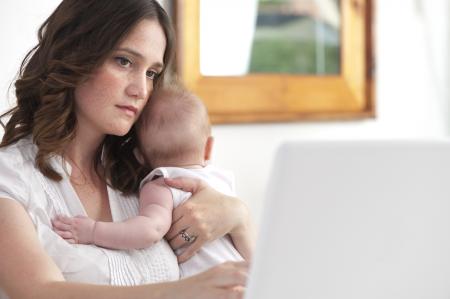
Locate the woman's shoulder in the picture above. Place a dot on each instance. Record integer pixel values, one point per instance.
(16, 167)
(20, 153)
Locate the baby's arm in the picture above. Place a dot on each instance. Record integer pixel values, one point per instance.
(149, 227)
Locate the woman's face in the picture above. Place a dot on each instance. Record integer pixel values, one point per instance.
(110, 101)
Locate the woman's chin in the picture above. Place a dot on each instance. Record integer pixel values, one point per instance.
(120, 131)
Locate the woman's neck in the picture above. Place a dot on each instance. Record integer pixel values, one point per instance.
(83, 149)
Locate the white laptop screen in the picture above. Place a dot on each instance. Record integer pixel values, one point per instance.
(348, 219)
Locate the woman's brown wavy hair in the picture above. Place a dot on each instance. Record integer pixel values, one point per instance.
(77, 38)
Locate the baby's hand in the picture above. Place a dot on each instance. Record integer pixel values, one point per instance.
(79, 229)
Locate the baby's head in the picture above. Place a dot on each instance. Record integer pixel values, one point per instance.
(174, 129)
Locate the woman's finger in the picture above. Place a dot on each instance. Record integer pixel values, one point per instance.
(177, 242)
(177, 226)
(183, 216)
(184, 183)
(190, 250)
(231, 274)
(182, 210)
(185, 237)
(238, 292)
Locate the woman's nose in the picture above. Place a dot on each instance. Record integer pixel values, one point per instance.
(139, 87)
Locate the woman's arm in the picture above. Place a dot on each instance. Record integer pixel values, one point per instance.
(26, 271)
(209, 215)
(244, 234)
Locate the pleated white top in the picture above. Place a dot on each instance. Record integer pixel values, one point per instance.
(43, 199)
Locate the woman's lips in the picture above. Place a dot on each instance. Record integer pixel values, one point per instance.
(129, 110)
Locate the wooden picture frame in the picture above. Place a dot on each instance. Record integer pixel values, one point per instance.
(284, 97)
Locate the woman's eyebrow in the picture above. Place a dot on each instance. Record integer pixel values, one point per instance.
(159, 65)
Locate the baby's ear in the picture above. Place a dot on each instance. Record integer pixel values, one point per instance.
(138, 155)
(208, 148)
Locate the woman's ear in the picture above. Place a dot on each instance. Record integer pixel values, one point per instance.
(138, 155)
(208, 148)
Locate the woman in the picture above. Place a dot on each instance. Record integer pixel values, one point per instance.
(67, 149)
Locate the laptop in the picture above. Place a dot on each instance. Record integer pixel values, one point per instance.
(355, 219)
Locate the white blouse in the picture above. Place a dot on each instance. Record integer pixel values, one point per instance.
(43, 199)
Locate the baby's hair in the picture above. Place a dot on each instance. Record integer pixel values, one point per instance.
(173, 127)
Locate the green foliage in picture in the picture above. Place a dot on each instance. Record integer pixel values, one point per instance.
(297, 45)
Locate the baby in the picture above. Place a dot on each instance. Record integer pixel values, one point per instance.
(174, 136)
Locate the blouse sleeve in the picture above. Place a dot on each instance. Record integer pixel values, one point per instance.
(12, 168)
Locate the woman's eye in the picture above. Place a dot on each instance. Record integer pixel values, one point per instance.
(152, 75)
(123, 61)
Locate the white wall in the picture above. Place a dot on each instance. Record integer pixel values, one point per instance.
(412, 55)
(412, 39)
(19, 23)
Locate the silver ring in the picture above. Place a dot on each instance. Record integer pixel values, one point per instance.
(187, 237)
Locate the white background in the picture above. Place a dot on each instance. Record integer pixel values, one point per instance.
(412, 78)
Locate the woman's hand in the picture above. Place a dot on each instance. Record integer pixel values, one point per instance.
(226, 280)
(207, 216)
